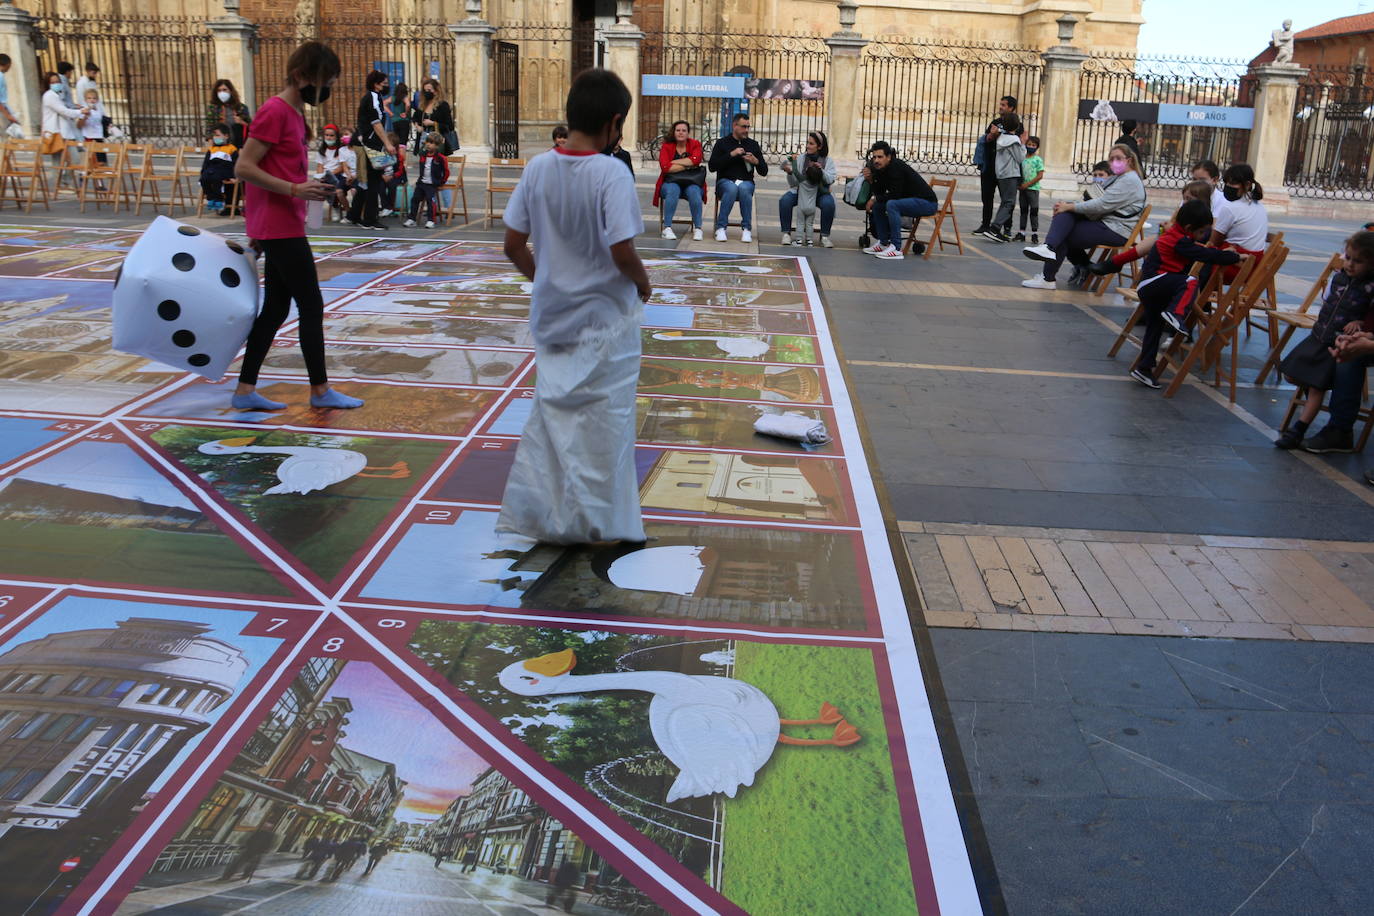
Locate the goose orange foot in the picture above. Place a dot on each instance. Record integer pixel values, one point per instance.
(829, 715)
(398, 470)
(845, 735)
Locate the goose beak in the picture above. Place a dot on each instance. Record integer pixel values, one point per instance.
(239, 442)
(553, 664)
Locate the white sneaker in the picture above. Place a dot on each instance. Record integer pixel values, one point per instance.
(720, 235)
(746, 236)
(786, 239)
(668, 232)
(409, 224)
(826, 243)
(875, 248)
(1040, 253)
(429, 224)
(696, 235)
(890, 253)
(386, 212)
(1038, 282)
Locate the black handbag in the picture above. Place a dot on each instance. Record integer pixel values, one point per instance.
(695, 175)
(1310, 365)
(451, 141)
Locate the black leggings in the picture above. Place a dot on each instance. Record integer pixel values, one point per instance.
(364, 209)
(289, 268)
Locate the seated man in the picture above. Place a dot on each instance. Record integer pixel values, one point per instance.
(897, 191)
(735, 158)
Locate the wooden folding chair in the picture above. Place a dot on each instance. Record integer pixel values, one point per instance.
(1259, 314)
(186, 183)
(130, 170)
(150, 178)
(1299, 318)
(4, 165)
(456, 188)
(1098, 285)
(505, 171)
(24, 171)
(100, 180)
(71, 168)
(946, 211)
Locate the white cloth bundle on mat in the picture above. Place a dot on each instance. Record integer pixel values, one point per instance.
(792, 426)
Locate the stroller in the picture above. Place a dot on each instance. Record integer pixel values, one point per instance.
(857, 193)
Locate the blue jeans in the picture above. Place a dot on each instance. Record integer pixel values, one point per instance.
(672, 192)
(727, 192)
(887, 220)
(824, 202)
(1345, 392)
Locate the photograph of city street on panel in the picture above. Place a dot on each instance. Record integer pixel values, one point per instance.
(282, 661)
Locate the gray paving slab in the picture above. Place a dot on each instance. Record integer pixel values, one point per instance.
(1017, 749)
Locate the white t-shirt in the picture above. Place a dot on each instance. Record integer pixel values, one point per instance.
(574, 207)
(1243, 223)
(94, 128)
(331, 158)
(1218, 201)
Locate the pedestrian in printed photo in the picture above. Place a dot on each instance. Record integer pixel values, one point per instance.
(564, 887)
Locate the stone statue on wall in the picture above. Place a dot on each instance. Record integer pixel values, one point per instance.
(1281, 40)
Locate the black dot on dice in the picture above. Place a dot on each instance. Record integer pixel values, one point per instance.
(230, 277)
(183, 338)
(182, 260)
(198, 359)
(118, 273)
(235, 247)
(168, 310)
(188, 230)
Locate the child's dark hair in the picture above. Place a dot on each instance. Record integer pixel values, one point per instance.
(1194, 214)
(1242, 174)
(220, 129)
(1207, 166)
(1128, 126)
(1362, 244)
(597, 96)
(559, 133)
(1033, 139)
(1103, 166)
(1011, 124)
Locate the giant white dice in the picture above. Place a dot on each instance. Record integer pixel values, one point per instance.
(185, 297)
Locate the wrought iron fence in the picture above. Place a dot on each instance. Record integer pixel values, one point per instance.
(549, 55)
(932, 102)
(1329, 150)
(155, 72)
(1168, 150)
(781, 111)
(409, 52)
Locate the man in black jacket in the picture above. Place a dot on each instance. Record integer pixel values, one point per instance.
(897, 191)
(736, 159)
(987, 162)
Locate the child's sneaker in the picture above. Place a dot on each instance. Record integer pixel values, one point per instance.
(1145, 379)
(1103, 268)
(409, 224)
(429, 224)
(997, 234)
(875, 248)
(1019, 237)
(385, 212)
(1175, 321)
(1035, 239)
(890, 253)
(1289, 439)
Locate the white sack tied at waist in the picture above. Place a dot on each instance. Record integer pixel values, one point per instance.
(792, 426)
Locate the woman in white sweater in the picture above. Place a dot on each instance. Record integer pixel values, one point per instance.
(58, 119)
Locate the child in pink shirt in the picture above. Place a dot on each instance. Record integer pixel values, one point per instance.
(274, 166)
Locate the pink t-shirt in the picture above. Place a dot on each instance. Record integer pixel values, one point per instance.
(278, 216)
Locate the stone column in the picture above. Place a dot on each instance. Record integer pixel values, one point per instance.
(233, 38)
(17, 40)
(842, 95)
(623, 41)
(1278, 91)
(472, 70)
(1059, 117)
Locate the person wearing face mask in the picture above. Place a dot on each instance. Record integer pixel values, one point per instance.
(218, 168)
(226, 107)
(274, 165)
(60, 121)
(372, 136)
(574, 479)
(1032, 170)
(1207, 170)
(1077, 227)
(1242, 223)
(432, 115)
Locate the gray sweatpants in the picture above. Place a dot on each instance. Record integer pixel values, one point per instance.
(1006, 191)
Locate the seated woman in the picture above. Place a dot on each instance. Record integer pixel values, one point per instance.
(682, 175)
(810, 176)
(1079, 226)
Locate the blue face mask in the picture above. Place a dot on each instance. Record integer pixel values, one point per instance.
(1032, 150)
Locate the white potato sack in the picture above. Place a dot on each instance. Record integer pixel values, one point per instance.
(185, 297)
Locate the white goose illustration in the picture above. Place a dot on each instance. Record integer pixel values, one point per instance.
(718, 731)
(307, 468)
(743, 347)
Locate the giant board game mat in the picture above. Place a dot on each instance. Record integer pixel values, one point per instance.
(280, 663)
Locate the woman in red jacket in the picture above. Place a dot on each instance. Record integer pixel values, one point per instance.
(683, 175)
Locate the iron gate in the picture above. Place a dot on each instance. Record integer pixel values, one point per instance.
(507, 100)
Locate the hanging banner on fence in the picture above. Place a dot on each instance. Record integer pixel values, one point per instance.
(810, 90)
(711, 87)
(1162, 113)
